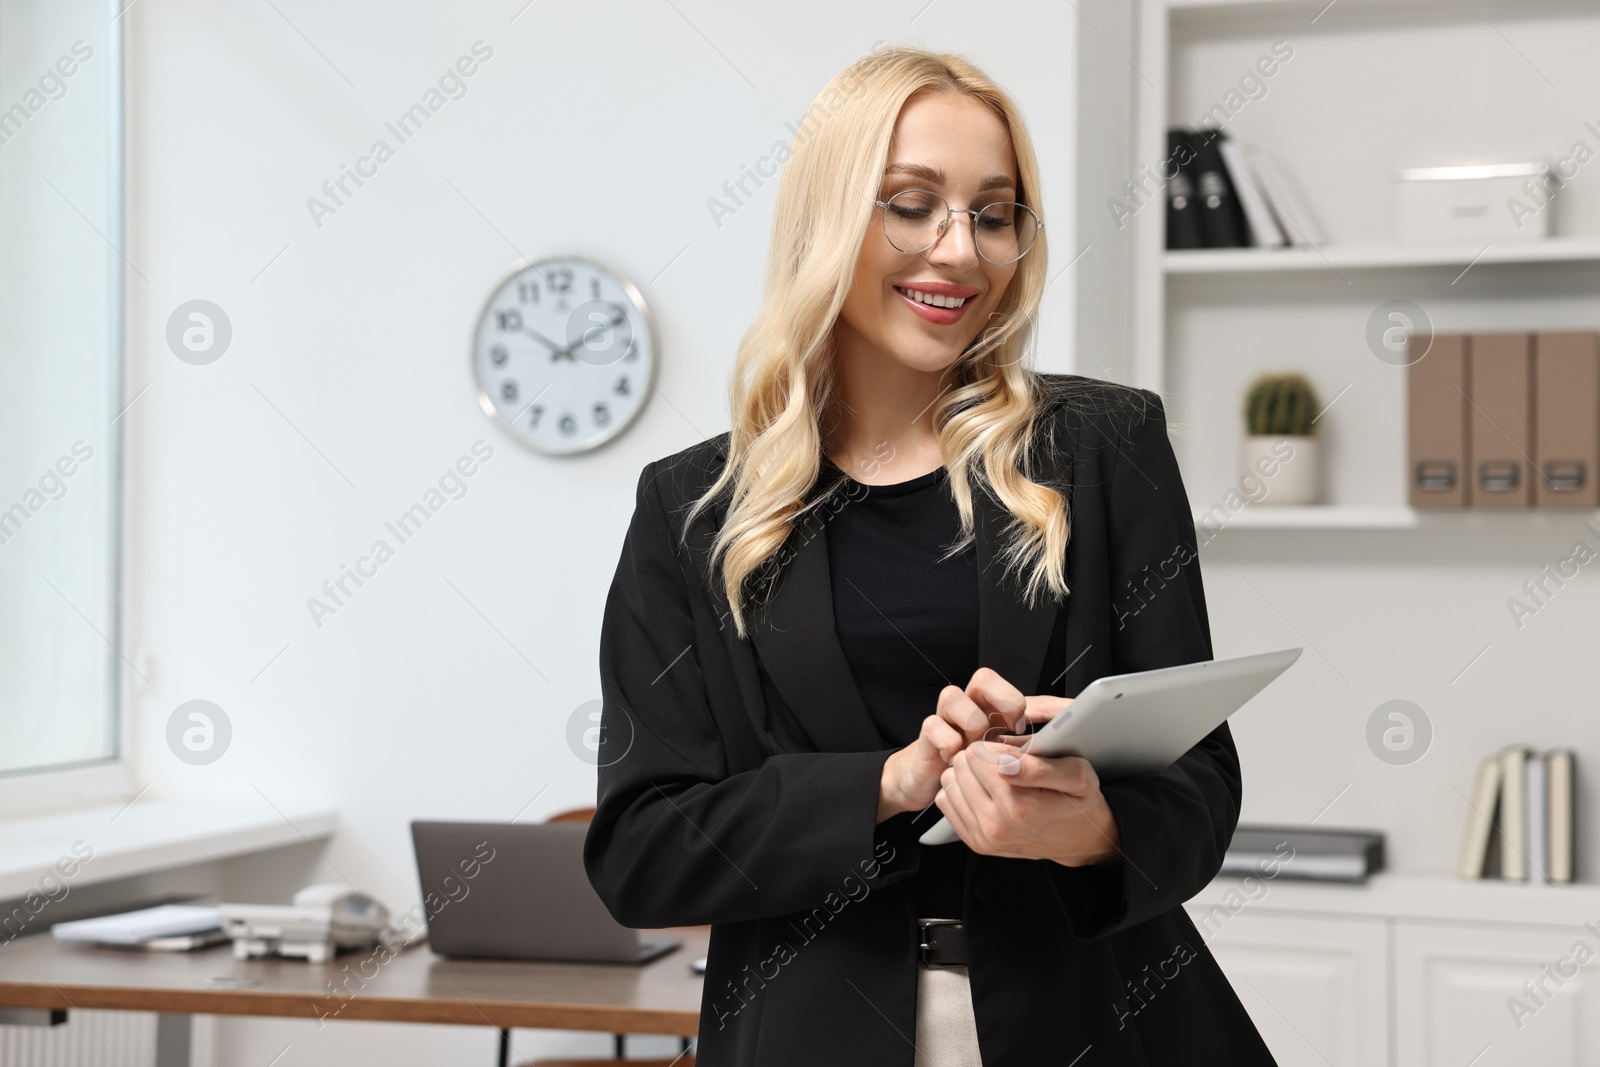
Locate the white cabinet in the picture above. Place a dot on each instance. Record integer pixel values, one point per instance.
(1315, 988)
(1509, 996)
(1408, 971)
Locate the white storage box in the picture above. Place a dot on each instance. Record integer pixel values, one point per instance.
(1487, 202)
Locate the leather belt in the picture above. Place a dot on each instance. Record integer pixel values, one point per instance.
(942, 943)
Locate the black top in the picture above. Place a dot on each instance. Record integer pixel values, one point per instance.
(908, 622)
(737, 780)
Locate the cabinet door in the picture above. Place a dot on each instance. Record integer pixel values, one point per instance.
(1317, 989)
(1461, 997)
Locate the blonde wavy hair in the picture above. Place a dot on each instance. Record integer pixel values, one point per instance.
(783, 379)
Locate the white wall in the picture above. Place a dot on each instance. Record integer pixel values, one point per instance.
(444, 687)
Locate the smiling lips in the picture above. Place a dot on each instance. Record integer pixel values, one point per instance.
(941, 303)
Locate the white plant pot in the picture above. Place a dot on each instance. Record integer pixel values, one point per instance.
(1288, 467)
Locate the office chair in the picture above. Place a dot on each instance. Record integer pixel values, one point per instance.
(683, 1059)
(583, 815)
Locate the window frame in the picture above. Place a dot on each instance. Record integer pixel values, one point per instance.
(61, 787)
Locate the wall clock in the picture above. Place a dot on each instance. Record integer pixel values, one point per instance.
(564, 354)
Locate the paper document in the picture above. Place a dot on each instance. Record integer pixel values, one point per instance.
(133, 927)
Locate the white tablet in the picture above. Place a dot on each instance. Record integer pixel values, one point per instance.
(1128, 724)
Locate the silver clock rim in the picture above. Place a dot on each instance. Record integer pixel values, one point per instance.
(635, 297)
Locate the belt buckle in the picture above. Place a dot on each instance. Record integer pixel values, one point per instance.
(926, 941)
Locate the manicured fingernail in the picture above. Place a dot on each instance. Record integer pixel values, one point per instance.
(1010, 765)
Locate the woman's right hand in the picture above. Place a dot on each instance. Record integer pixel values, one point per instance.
(988, 706)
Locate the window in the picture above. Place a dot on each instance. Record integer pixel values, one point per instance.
(61, 396)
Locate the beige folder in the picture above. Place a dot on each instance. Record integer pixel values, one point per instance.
(1566, 420)
(1501, 437)
(1436, 424)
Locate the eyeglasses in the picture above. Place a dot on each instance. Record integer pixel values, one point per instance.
(915, 219)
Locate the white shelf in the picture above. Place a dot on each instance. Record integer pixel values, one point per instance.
(1414, 897)
(1314, 7)
(1379, 257)
(149, 835)
(1372, 517)
(1312, 517)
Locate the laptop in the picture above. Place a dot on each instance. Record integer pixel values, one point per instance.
(513, 891)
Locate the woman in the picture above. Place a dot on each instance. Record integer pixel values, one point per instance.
(826, 622)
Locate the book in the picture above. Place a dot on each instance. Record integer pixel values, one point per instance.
(1537, 809)
(1559, 775)
(1491, 862)
(1298, 225)
(1513, 814)
(1221, 220)
(1183, 214)
(1306, 852)
(1264, 231)
(1480, 820)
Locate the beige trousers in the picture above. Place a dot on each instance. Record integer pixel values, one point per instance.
(947, 1033)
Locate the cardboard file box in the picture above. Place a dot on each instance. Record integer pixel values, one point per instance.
(1500, 441)
(1566, 433)
(1437, 387)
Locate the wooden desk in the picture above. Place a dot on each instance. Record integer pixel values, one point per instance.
(660, 997)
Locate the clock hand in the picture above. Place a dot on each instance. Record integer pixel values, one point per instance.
(542, 339)
(570, 349)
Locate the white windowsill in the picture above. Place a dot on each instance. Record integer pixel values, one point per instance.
(149, 835)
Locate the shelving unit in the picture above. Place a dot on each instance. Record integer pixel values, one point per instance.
(1371, 87)
(1408, 971)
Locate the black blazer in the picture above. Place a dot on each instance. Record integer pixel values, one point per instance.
(738, 783)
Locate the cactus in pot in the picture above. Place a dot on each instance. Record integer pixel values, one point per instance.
(1281, 405)
(1280, 446)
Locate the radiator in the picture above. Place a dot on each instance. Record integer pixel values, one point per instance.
(86, 1039)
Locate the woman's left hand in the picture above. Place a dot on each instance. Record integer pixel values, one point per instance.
(1022, 806)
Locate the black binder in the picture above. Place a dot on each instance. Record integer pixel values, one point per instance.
(1221, 218)
(1183, 212)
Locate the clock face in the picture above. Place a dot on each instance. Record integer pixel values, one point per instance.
(564, 354)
